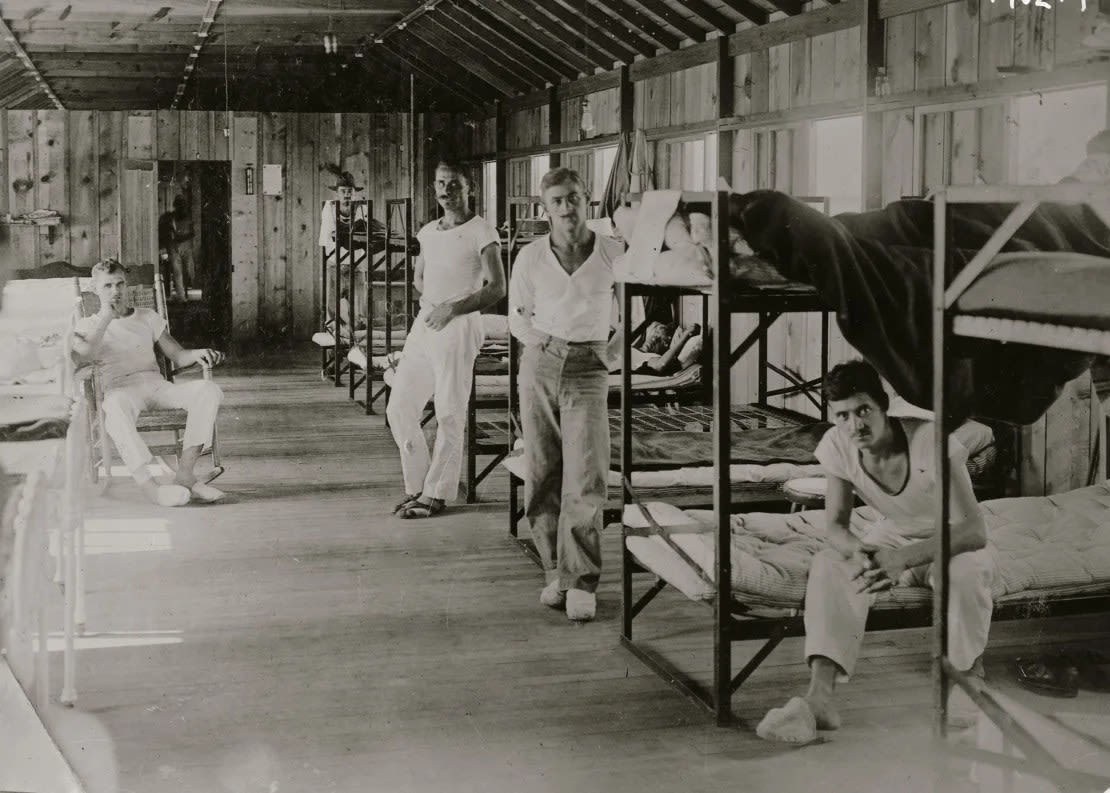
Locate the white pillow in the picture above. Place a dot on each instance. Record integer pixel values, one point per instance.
(17, 357)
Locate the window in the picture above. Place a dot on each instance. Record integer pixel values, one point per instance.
(838, 162)
(1051, 131)
(603, 166)
(541, 164)
(693, 163)
(489, 190)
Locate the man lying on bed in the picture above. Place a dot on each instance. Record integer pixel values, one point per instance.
(890, 464)
(664, 349)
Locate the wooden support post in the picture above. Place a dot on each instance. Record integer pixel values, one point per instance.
(725, 105)
(627, 104)
(873, 43)
(554, 125)
(502, 165)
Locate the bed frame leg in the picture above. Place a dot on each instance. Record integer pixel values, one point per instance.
(627, 608)
(514, 505)
(784, 629)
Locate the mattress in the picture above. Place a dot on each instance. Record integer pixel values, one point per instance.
(498, 385)
(326, 339)
(1043, 547)
(1055, 288)
(694, 477)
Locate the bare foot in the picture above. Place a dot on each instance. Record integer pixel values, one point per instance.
(824, 712)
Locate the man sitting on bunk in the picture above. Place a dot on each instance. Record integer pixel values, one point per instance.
(458, 273)
(561, 306)
(121, 340)
(890, 464)
(342, 224)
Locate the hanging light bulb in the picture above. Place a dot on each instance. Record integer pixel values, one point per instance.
(587, 124)
(331, 43)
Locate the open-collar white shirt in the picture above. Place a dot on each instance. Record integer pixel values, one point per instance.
(545, 299)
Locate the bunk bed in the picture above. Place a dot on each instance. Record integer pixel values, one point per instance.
(376, 352)
(1054, 301)
(336, 333)
(753, 572)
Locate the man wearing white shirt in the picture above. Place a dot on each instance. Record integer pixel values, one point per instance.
(339, 219)
(458, 273)
(561, 306)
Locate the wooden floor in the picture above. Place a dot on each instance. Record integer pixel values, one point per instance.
(300, 638)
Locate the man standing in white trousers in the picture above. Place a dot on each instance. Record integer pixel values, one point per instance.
(890, 464)
(458, 273)
(121, 340)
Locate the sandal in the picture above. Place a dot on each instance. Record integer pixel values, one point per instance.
(418, 509)
(1048, 675)
(408, 500)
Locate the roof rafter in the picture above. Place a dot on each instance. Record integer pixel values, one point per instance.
(642, 22)
(28, 64)
(493, 59)
(556, 47)
(687, 27)
(463, 14)
(211, 8)
(627, 36)
(602, 48)
(757, 15)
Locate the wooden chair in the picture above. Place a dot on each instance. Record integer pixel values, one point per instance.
(144, 290)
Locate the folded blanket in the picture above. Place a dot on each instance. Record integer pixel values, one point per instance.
(760, 446)
(875, 270)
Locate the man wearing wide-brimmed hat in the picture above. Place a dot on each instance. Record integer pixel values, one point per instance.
(340, 219)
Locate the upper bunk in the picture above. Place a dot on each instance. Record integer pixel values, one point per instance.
(874, 271)
(1044, 298)
(674, 246)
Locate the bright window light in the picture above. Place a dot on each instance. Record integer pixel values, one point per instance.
(838, 162)
(1052, 130)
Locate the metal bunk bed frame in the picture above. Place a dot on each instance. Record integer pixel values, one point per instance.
(398, 215)
(345, 255)
(769, 306)
(1038, 760)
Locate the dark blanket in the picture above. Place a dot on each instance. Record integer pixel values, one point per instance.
(760, 446)
(875, 270)
(46, 429)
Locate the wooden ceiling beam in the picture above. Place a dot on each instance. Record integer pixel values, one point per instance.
(756, 15)
(642, 22)
(556, 48)
(453, 56)
(17, 98)
(492, 58)
(36, 8)
(432, 74)
(531, 12)
(623, 33)
(463, 15)
(687, 27)
(711, 15)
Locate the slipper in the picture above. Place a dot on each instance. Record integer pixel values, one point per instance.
(1093, 668)
(408, 500)
(793, 723)
(173, 495)
(1048, 675)
(206, 493)
(418, 509)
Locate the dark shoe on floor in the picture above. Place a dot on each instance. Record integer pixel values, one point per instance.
(1048, 675)
(1093, 668)
(418, 509)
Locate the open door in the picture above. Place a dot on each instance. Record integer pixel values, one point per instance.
(138, 213)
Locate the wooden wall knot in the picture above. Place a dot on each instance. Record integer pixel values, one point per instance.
(22, 186)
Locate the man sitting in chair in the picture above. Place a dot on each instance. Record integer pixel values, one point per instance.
(890, 464)
(121, 341)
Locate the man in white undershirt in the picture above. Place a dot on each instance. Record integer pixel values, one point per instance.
(121, 340)
(458, 273)
(561, 307)
(890, 464)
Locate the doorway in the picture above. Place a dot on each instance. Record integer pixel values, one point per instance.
(194, 242)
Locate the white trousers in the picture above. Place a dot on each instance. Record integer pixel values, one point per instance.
(836, 614)
(437, 365)
(122, 406)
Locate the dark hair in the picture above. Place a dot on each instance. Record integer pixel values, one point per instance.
(108, 267)
(561, 176)
(458, 167)
(855, 377)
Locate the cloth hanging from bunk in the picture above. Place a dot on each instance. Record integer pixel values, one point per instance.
(875, 270)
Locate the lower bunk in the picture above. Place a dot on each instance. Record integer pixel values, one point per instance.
(1051, 555)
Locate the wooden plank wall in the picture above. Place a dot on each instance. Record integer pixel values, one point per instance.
(72, 162)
